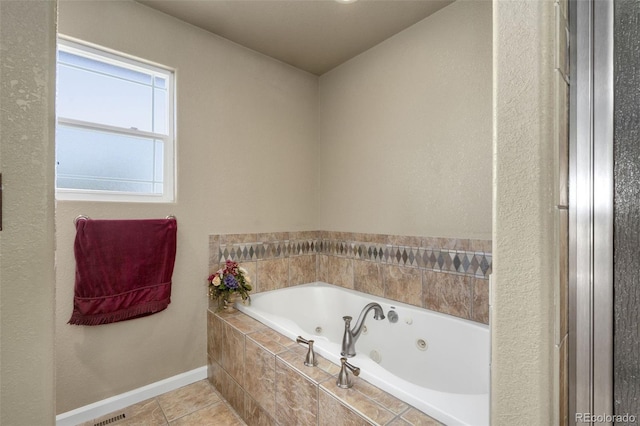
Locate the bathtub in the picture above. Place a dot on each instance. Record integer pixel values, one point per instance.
(437, 363)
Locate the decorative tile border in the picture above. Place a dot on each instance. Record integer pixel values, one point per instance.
(259, 250)
(441, 274)
(456, 256)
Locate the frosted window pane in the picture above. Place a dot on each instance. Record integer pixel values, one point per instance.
(103, 67)
(106, 106)
(159, 160)
(98, 98)
(95, 160)
(161, 82)
(160, 111)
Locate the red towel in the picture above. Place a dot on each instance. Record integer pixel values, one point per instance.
(123, 269)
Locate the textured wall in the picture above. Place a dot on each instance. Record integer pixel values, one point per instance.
(627, 208)
(246, 138)
(525, 220)
(405, 131)
(249, 161)
(27, 90)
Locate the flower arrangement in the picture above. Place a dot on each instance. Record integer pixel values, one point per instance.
(228, 280)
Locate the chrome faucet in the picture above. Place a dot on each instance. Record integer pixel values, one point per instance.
(351, 336)
(344, 380)
(310, 360)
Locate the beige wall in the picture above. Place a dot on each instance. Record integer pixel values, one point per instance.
(526, 220)
(521, 387)
(405, 131)
(27, 279)
(246, 163)
(419, 170)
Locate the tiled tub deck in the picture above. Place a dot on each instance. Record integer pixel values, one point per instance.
(262, 375)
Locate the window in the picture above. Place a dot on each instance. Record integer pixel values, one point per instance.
(115, 128)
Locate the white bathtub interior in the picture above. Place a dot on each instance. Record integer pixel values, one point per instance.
(436, 362)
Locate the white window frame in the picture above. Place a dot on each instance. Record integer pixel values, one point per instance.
(102, 54)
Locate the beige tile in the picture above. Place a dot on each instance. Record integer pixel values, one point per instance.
(372, 238)
(447, 293)
(271, 340)
(304, 235)
(340, 236)
(255, 415)
(302, 269)
(145, 413)
(382, 398)
(332, 412)
(447, 243)
(357, 400)
(294, 359)
(216, 414)
(187, 399)
(340, 271)
(226, 314)
(215, 375)
(270, 237)
(483, 246)
(403, 284)
(367, 277)
(251, 267)
(463, 244)
(260, 380)
(232, 392)
(214, 336)
(300, 353)
(431, 242)
(273, 274)
(233, 353)
(418, 418)
(404, 240)
(244, 323)
(214, 252)
(227, 239)
(323, 268)
(480, 306)
(296, 397)
(398, 421)
(212, 305)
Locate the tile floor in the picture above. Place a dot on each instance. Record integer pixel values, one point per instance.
(196, 404)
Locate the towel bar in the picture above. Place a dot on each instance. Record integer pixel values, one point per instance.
(80, 217)
(83, 217)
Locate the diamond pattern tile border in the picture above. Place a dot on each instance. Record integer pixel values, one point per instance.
(462, 261)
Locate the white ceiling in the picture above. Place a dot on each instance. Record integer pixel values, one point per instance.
(313, 35)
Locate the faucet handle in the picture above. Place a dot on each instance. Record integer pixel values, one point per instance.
(310, 360)
(344, 380)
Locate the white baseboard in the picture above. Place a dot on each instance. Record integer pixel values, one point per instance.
(118, 402)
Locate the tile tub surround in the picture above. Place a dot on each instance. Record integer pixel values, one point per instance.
(445, 275)
(261, 374)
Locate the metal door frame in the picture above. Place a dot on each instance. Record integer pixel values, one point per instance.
(591, 211)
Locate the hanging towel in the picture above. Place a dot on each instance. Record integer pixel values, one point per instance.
(123, 269)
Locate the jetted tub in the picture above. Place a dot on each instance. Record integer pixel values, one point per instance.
(435, 362)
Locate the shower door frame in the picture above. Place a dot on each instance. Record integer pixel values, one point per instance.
(591, 210)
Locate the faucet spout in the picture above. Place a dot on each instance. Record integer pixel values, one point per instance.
(350, 336)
